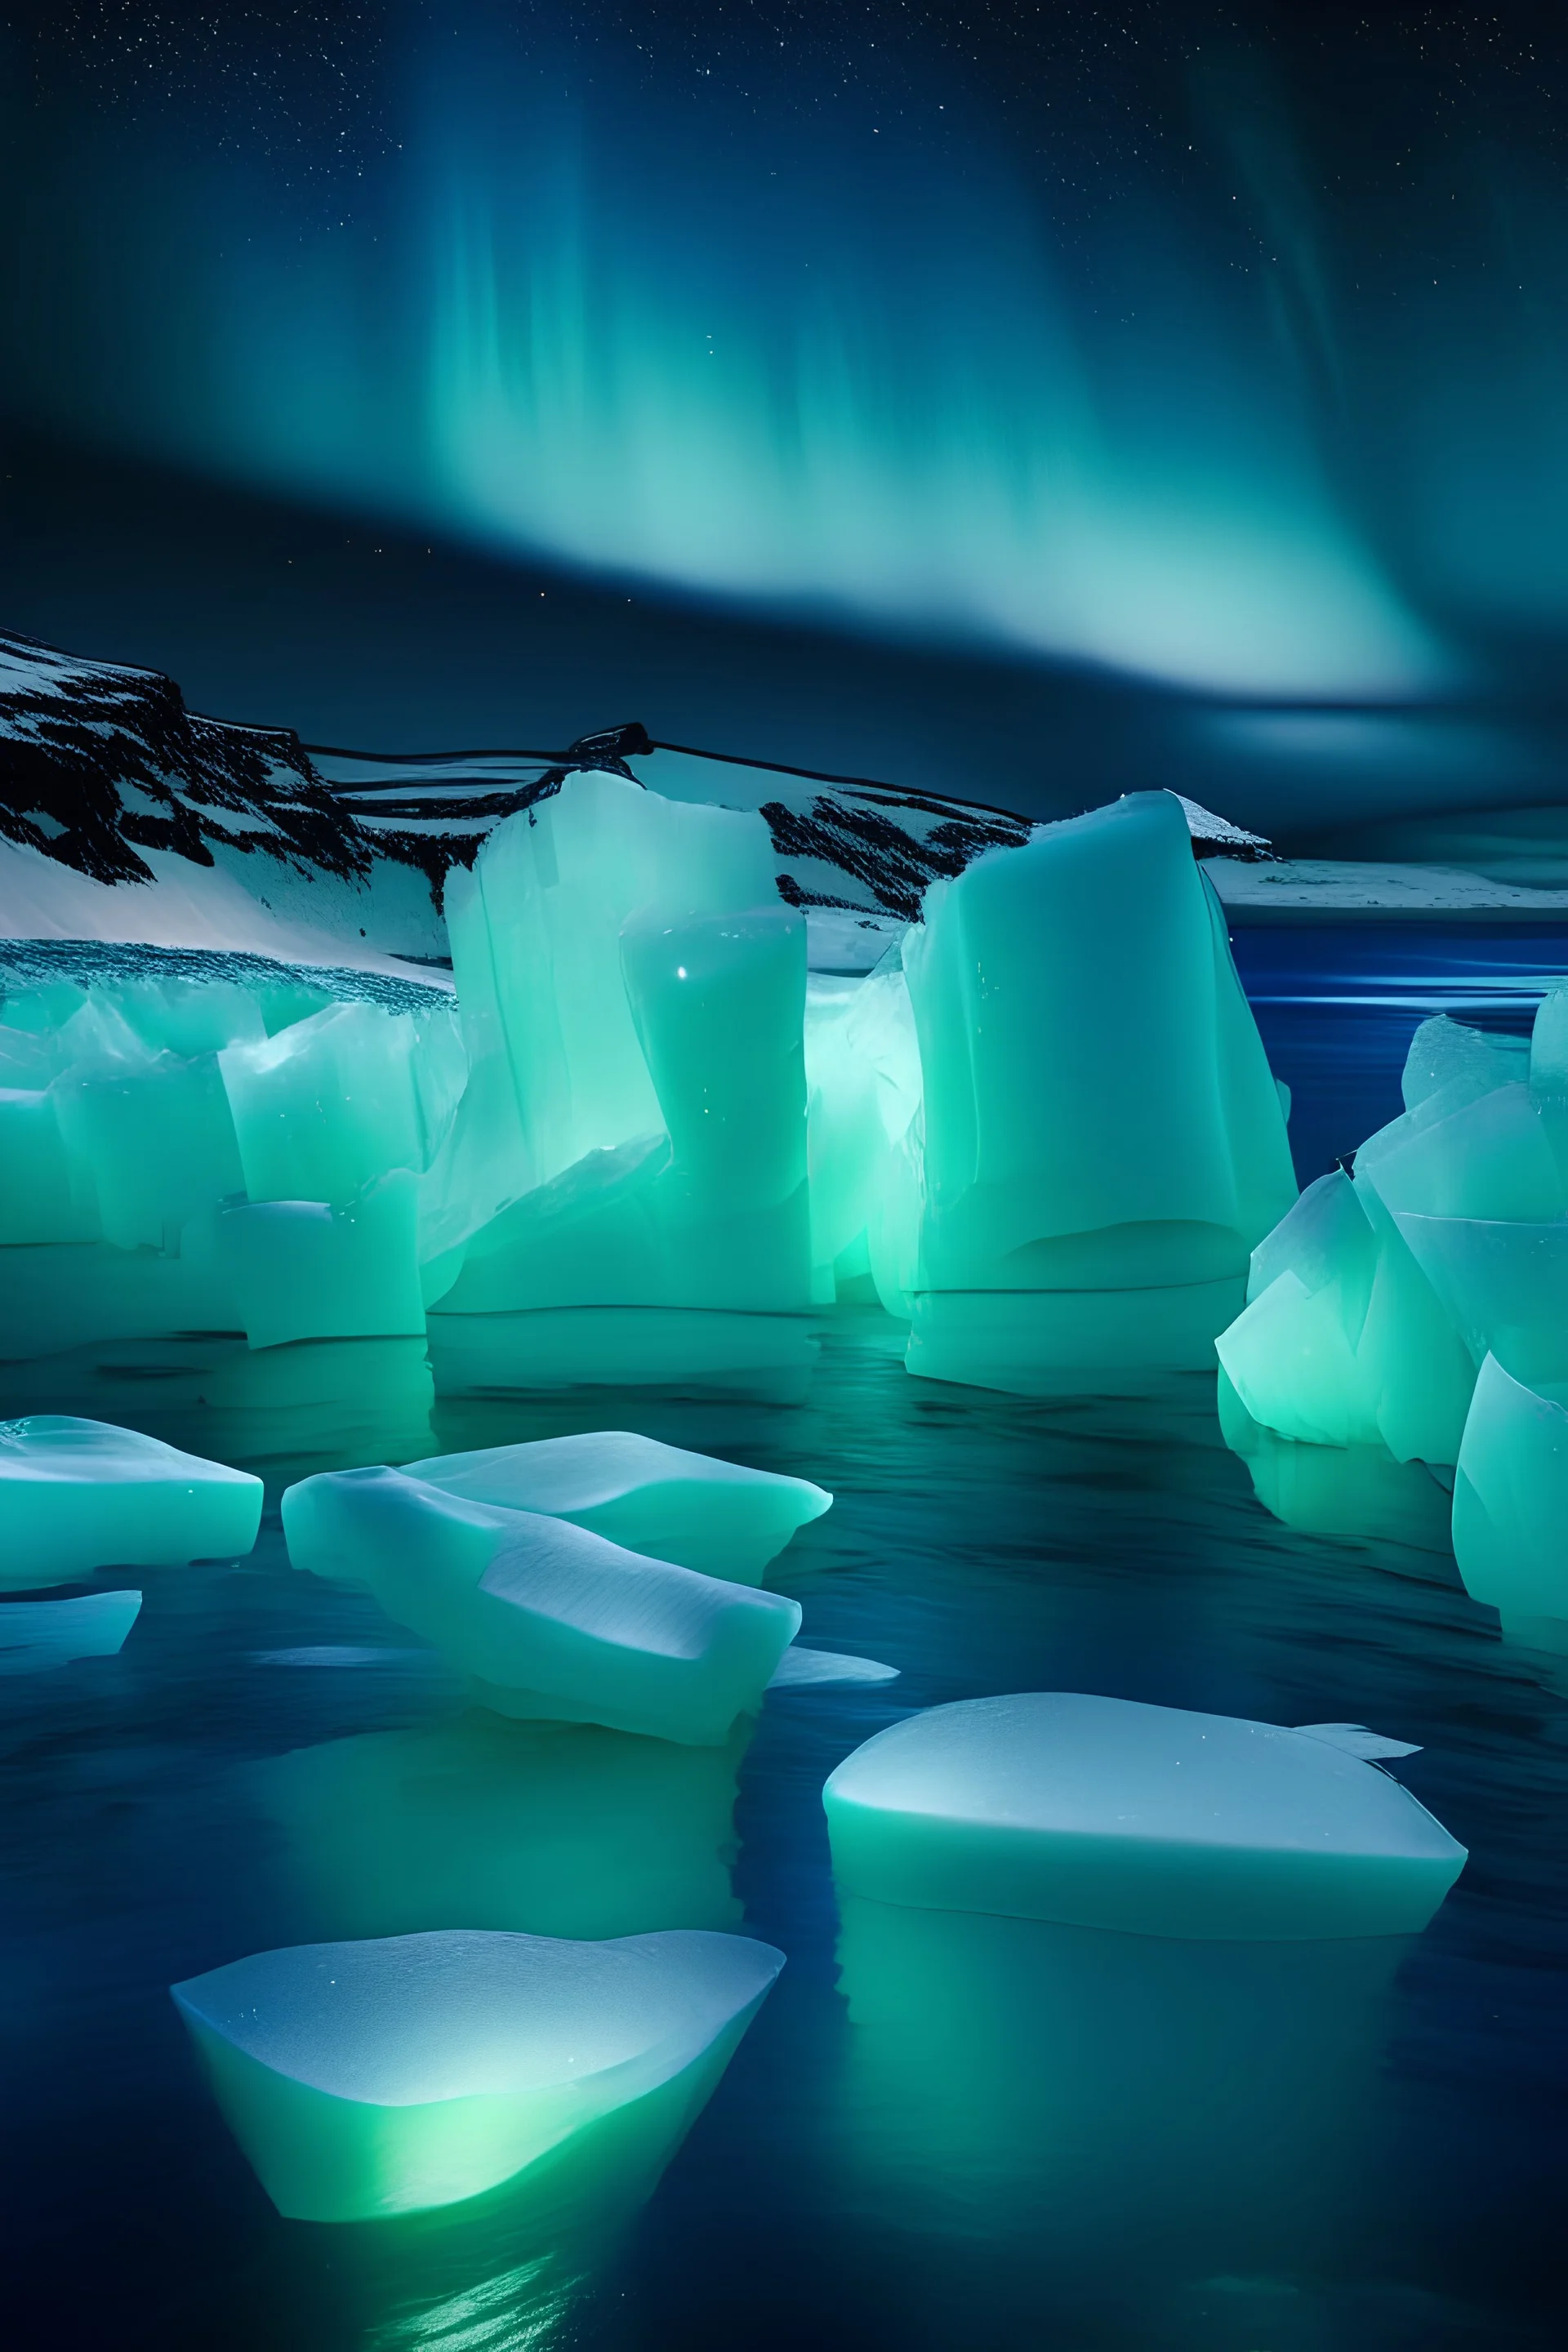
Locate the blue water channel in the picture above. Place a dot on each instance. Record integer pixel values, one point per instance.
(943, 2131)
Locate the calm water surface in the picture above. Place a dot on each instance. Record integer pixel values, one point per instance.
(941, 2130)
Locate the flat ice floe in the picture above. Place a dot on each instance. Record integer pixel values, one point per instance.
(1103, 1813)
(79, 1495)
(364, 2079)
(717, 1517)
(552, 1621)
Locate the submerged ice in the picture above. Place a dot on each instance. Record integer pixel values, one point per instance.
(1104, 1812)
(368, 2079)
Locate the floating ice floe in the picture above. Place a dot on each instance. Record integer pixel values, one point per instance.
(716, 1516)
(1103, 1813)
(79, 1495)
(366, 2079)
(549, 1618)
(1510, 1505)
(37, 1634)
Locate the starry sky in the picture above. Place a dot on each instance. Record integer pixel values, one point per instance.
(1216, 355)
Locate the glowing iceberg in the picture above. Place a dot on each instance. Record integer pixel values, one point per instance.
(1103, 1813)
(716, 1516)
(1103, 1142)
(185, 1153)
(367, 2079)
(549, 1618)
(633, 1000)
(80, 1494)
(1511, 1506)
(1373, 1302)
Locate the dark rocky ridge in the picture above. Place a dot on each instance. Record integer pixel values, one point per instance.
(99, 762)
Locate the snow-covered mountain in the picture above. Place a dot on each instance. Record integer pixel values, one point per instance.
(126, 816)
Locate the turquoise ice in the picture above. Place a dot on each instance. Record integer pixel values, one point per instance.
(368, 2079)
(76, 1496)
(1510, 1505)
(633, 998)
(552, 1621)
(1105, 1813)
(1376, 1300)
(1103, 1142)
(717, 1517)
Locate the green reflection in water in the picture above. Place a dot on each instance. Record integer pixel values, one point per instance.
(544, 1829)
(1015, 2080)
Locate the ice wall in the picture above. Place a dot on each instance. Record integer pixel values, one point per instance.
(1103, 1143)
(642, 1140)
(191, 1154)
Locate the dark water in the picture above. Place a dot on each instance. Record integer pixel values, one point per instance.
(941, 2130)
(1336, 1007)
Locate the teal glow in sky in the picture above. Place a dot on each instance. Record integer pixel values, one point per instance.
(846, 360)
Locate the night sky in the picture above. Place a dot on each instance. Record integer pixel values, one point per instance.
(1037, 400)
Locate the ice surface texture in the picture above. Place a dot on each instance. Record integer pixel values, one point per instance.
(1093, 1182)
(551, 1620)
(1511, 1506)
(366, 2079)
(1103, 1813)
(79, 1495)
(712, 1515)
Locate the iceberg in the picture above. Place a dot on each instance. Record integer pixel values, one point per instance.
(1375, 1301)
(552, 1621)
(369, 2079)
(76, 1496)
(716, 1516)
(1104, 1812)
(1092, 1185)
(633, 1000)
(35, 1635)
(1511, 1506)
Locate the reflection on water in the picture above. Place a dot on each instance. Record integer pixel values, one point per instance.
(545, 1829)
(318, 1404)
(1338, 1490)
(1017, 2080)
